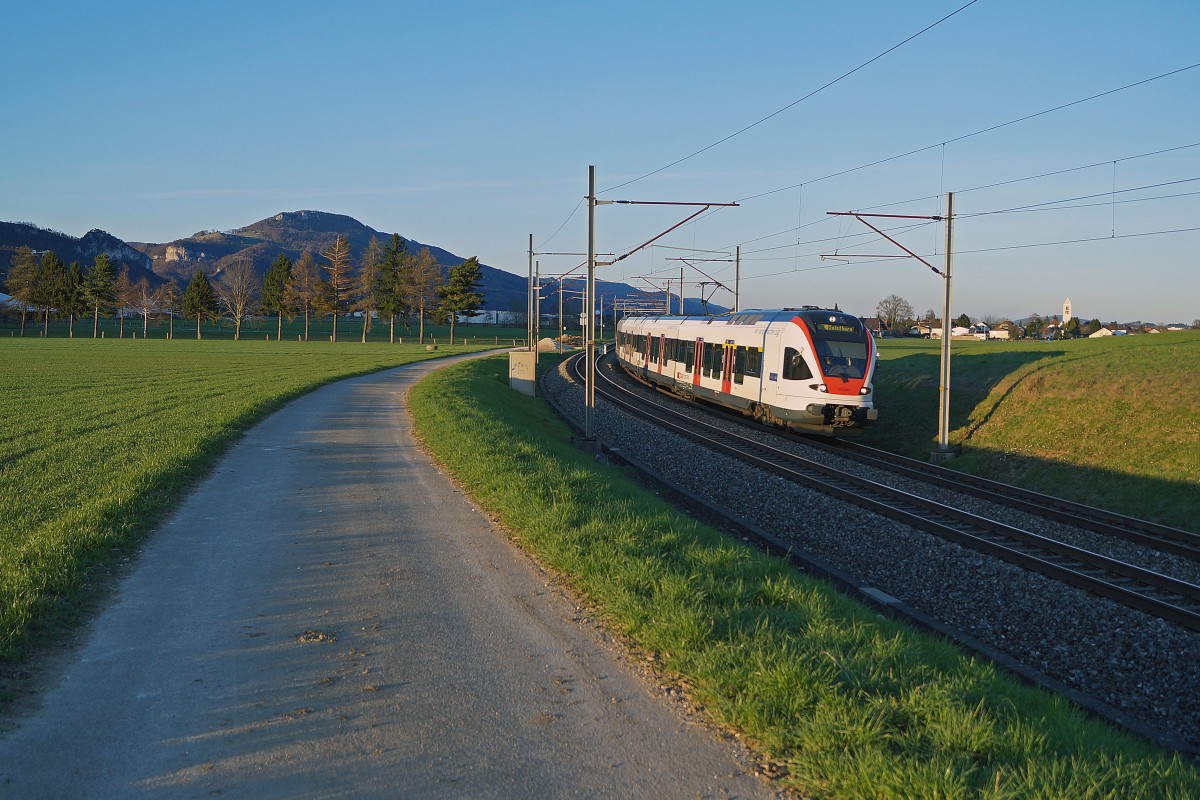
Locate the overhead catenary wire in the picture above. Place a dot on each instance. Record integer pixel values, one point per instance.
(794, 103)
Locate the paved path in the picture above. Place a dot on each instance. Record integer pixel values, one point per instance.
(327, 617)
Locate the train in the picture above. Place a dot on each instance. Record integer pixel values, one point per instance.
(809, 369)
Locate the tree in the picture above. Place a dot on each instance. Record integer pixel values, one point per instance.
(963, 321)
(338, 256)
(274, 291)
(99, 290)
(1071, 329)
(166, 299)
(51, 286)
(306, 291)
(1091, 327)
(72, 303)
(200, 300)
(238, 291)
(459, 295)
(366, 283)
(895, 311)
(22, 282)
(426, 278)
(1034, 326)
(143, 299)
(392, 282)
(126, 298)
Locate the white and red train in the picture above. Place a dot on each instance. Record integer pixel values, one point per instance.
(805, 368)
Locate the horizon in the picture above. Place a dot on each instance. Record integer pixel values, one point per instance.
(471, 127)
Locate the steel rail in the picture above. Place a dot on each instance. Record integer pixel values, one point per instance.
(1097, 520)
(1145, 590)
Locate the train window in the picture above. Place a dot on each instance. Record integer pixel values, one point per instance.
(712, 361)
(794, 366)
(753, 362)
(689, 355)
(842, 359)
(672, 349)
(739, 365)
(654, 348)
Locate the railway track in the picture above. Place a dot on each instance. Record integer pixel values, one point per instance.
(1146, 590)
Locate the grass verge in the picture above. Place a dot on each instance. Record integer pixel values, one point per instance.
(853, 704)
(102, 436)
(1111, 422)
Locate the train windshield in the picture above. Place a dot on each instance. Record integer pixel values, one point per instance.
(841, 344)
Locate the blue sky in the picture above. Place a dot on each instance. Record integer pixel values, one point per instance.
(471, 125)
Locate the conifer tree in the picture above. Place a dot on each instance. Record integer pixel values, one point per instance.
(274, 291)
(99, 290)
(73, 303)
(391, 285)
(200, 300)
(460, 295)
(22, 280)
(51, 286)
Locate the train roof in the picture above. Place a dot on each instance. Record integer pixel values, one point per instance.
(748, 316)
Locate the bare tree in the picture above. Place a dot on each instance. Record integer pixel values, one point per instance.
(238, 290)
(894, 310)
(166, 300)
(126, 298)
(338, 256)
(426, 277)
(145, 300)
(366, 284)
(306, 291)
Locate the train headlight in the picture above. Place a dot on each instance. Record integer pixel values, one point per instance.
(865, 390)
(822, 387)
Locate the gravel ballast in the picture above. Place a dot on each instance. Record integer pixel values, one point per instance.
(1143, 667)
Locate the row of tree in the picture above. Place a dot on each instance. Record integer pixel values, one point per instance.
(387, 283)
(897, 314)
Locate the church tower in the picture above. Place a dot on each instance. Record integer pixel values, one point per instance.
(1067, 311)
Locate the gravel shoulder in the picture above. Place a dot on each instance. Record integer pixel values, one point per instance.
(327, 616)
(1146, 669)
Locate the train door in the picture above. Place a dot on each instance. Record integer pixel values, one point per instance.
(698, 364)
(727, 366)
(646, 361)
(662, 351)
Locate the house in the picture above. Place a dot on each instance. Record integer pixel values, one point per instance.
(876, 326)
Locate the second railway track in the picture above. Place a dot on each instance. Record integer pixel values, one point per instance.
(1146, 590)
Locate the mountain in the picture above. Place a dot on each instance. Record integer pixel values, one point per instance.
(84, 249)
(289, 232)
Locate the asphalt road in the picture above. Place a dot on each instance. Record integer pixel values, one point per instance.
(326, 616)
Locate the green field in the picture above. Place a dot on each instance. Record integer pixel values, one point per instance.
(100, 437)
(261, 329)
(1112, 422)
(847, 703)
(103, 436)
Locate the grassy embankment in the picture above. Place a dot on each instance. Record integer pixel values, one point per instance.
(853, 704)
(99, 437)
(1111, 422)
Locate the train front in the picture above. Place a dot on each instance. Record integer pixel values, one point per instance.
(845, 357)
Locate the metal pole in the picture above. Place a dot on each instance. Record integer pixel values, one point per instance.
(589, 426)
(681, 290)
(537, 303)
(560, 321)
(529, 298)
(944, 385)
(737, 281)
